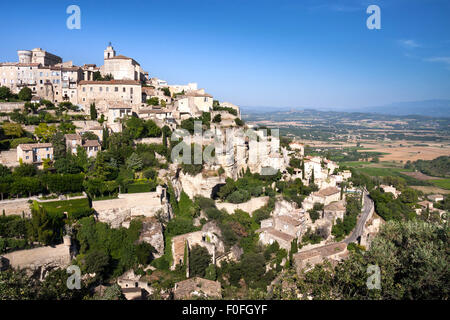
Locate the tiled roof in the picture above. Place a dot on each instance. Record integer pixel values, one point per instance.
(91, 143)
(335, 206)
(289, 220)
(327, 192)
(111, 82)
(72, 136)
(31, 146)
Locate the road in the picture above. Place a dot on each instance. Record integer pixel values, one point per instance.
(362, 219)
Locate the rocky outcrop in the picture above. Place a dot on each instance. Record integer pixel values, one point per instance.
(152, 233)
(199, 184)
(283, 207)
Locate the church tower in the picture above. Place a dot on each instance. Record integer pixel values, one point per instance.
(109, 52)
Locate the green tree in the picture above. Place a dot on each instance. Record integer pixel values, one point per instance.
(199, 260)
(5, 93)
(25, 94)
(134, 162)
(93, 111)
(96, 262)
(44, 132)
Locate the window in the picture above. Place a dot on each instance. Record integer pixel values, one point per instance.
(123, 89)
(100, 89)
(90, 89)
(107, 89)
(131, 90)
(116, 89)
(84, 89)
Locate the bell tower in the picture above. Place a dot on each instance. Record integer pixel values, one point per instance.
(109, 52)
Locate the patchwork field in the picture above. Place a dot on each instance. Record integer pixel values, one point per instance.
(411, 151)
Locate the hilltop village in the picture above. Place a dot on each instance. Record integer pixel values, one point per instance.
(88, 179)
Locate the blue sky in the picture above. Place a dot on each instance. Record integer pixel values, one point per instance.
(255, 53)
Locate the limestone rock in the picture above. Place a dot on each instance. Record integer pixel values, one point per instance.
(152, 233)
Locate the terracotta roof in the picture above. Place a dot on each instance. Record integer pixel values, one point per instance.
(91, 143)
(147, 111)
(289, 220)
(277, 234)
(194, 94)
(122, 57)
(72, 136)
(31, 146)
(323, 251)
(335, 206)
(111, 82)
(28, 64)
(327, 192)
(118, 105)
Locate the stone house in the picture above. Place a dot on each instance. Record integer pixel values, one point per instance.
(426, 205)
(127, 92)
(209, 237)
(334, 210)
(118, 111)
(267, 236)
(390, 189)
(309, 258)
(92, 147)
(326, 196)
(436, 197)
(197, 287)
(34, 153)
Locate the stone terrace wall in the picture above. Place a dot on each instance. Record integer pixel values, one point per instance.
(249, 206)
(10, 106)
(15, 207)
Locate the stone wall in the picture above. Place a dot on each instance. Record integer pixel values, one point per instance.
(9, 158)
(249, 206)
(40, 260)
(128, 205)
(10, 106)
(15, 207)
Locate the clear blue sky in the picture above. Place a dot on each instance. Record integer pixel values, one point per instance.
(255, 53)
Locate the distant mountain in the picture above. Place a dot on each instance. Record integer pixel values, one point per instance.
(253, 109)
(431, 108)
(438, 108)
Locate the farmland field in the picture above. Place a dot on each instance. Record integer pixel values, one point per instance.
(442, 183)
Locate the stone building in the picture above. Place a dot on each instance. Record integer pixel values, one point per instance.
(39, 56)
(34, 153)
(127, 92)
(121, 67)
(208, 237)
(92, 147)
(305, 260)
(334, 210)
